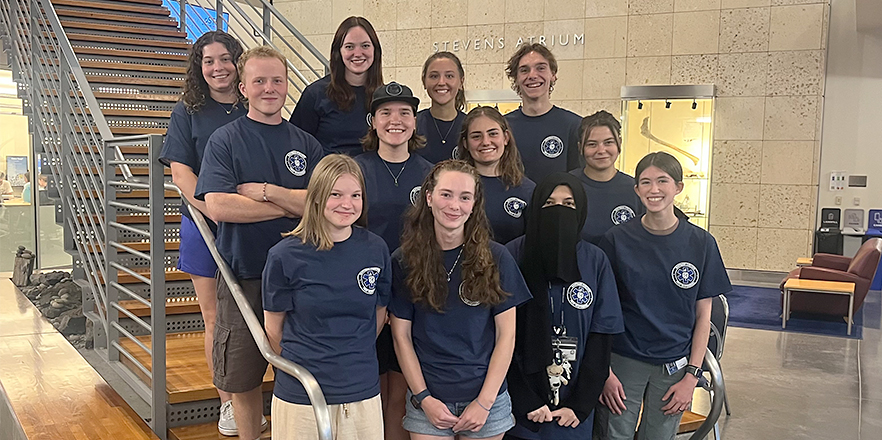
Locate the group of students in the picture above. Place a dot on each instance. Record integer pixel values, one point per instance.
(486, 292)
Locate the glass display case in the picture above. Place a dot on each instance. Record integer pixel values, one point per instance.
(677, 120)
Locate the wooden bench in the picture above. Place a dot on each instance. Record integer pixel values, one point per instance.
(47, 390)
(815, 286)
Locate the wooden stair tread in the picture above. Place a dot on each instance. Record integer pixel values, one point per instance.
(134, 194)
(126, 130)
(109, 16)
(132, 41)
(126, 149)
(136, 171)
(173, 306)
(133, 66)
(133, 219)
(114, 6)
(103, 79)
(128, 53)
(690, 422)
(170, 275)
(208, 431)
(124, 29)
(137, 96)
(188, 378)
(140, 246)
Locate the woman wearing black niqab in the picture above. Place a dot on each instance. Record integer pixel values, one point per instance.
(564, 334)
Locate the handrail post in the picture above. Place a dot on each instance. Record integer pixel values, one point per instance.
(110, 257)
(182, 21)
(158, 409)
(219, 15)
(267, 24)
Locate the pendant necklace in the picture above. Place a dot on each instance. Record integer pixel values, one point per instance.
(395, 177)
(450, 272)
(444, 138)
(233, 106)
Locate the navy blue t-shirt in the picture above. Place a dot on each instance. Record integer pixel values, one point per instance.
(609, 204)
(387, 202)
(505, 207)
(590, 305)
(435, 150)
(188, 133)
(338, 131)
(454, 347)
(246, 151)
(660, 278)
(548, 143)
(330, 300)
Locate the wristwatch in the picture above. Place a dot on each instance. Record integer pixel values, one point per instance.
(417, 399)
(694, 371)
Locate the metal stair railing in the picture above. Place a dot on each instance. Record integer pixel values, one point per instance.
(154, 392)
(252, 24)
(56, 95)
(313, 390)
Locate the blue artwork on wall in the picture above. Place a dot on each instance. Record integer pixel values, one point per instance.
(199, 20)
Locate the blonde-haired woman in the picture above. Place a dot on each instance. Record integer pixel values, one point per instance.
(325, 290)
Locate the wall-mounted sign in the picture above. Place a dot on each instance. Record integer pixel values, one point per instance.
(498, 43)
(875, 220)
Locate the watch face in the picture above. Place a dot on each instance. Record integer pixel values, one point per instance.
(414, 402)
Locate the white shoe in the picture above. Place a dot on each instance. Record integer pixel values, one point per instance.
(226, 425)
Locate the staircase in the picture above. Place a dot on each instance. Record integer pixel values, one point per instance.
(98, 79)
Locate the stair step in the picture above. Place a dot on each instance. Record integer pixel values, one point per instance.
(134, 194)
(159, 67)
(208, 431)
(136, 171)
(188, 378)
(137, 96)
(126, 149)
(140, 246)
(173, 306)
(170, 275)
(129, 53)
(107, 16)
(126, 130)
(132, 41)
(114, 6)
(142, 219)
(105, 79)
(73, 24)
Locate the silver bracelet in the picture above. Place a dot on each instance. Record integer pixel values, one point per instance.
(482, 406)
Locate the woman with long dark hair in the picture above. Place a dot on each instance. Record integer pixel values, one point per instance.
(335, 108)
(211, 99)
(325, 290)
(667, 270)
(453, 311)
(440, 124)
(564, 333)
(486, 142)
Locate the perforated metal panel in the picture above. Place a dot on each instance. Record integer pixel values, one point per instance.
(204, 411)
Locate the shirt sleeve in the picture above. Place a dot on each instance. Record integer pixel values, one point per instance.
(277, 286)
(179, 145)
(217, 173)
(401, 305)
(607, 316)
(512, 282)
(574, 156)
(305, 115)
(315, 152)
(714, 279)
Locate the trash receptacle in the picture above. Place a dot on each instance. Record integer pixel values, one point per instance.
(828, 241)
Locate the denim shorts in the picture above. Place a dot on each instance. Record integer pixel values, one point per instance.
(498, 421)
(194, 258)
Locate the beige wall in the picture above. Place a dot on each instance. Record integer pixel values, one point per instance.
(766, 57)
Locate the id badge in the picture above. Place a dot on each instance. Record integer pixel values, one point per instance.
(672, 367)
(568, 346)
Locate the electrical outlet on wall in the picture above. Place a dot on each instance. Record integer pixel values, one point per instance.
(837, 200)
(857, 201)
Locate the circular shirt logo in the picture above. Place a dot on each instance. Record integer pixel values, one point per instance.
(465, 300)
(367, 279)
(685, 275)
(622, 214)
(514, 206)
(296, 163)
(579, 295)
(414, 194)
(552, 147)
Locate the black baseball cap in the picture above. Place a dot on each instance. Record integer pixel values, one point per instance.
(393, 92)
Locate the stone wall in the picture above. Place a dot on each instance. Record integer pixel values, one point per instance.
(767, 58)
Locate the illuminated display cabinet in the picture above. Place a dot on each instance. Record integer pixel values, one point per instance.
(678, 120)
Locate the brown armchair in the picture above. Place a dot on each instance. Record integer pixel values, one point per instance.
(859, 270)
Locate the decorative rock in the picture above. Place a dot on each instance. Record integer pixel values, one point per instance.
(56, 305)
(23, 267)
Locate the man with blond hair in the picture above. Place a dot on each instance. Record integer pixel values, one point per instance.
(254, 176)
